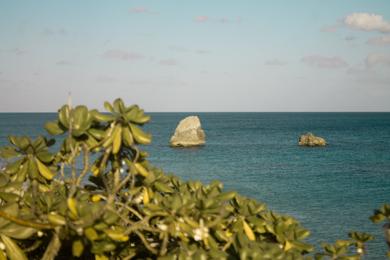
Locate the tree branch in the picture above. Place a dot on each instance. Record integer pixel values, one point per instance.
(25, 223)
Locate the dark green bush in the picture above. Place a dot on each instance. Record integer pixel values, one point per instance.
(118, 206)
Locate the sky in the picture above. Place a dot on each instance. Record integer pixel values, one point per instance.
(203, 55)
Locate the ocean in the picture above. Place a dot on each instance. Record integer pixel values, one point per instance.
(331, 190)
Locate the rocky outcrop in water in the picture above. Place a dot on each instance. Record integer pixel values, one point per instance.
(188, 133)
(311, 140)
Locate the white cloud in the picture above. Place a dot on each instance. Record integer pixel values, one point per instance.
(367, 22)
(377, 59)
(382, 40)
(323, 62)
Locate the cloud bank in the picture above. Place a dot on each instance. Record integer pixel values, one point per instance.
(383, 40)
(367, 22)
(377, 59)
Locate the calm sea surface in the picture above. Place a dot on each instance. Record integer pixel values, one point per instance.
(331, 190)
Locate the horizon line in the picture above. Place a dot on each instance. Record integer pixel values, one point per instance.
(346, 111)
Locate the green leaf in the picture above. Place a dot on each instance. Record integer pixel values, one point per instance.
(108, 107)
(13, 250)
(131, 114)
(33, 169)
(80, 120)
(7, 152)
(77, 248)
(119, 106)
(227, 195)
(97, 133)
(44, 170)
(13, 167)
(163, 187)
(101, 247)
(17, 232)
(54, 128)
(9, 197)
(302, 233)
(100, 117)
(304, 247)
(39, 144)
(91, 234)
(4, 179)
(377, 218)
(21, 142)
(45, 156)
(110, 217)
(63, 116)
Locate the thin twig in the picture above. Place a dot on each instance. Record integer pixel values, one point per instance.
(217, 220)
(164, 245)
(141, 236)
(116, 181)
(86, 165)
(34, 187)
(73, 164)
(102, 166)
(62, 169)
(227, 245)
(83, 173)
(130, 209)
(123, 182)
(136, 156)
(34, 246)
(25, 223)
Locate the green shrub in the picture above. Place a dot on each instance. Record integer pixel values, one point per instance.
(380, 215)
(118, 206)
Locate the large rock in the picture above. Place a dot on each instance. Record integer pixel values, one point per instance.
(188, 133)
(311, 140)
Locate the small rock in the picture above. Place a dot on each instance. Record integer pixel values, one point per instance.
(311, 140)
(188, 133)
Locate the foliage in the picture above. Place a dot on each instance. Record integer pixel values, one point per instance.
(118, 206)
(380, 215)
(345, 249)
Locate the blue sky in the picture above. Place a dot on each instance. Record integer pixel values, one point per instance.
(220, 55)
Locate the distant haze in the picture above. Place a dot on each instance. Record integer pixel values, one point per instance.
(220, 55)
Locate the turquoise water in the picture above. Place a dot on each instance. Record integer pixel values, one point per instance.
(331, 190)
